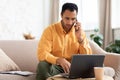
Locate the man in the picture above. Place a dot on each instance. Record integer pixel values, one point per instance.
(59, 42)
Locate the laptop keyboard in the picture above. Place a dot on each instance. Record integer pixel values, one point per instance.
(65, 75)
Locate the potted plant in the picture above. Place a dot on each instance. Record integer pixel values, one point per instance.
(97, 37)
(114, 47)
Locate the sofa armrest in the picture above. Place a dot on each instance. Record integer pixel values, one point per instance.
(96, 49)
(113, 60)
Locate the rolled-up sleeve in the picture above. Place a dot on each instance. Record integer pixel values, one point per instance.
(84, 47)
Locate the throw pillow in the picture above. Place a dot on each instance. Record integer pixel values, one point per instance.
(7, 64)
(109, 71)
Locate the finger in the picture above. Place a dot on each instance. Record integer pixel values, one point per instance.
(64, 68)
(78, 24)
(77, 28)
(67, 68)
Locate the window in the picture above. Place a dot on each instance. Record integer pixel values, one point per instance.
(87, 12)
(20, 16)
(115, 13)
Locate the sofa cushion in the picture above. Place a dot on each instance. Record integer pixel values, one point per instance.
(7, 64)
(16, 77)
(109, 71)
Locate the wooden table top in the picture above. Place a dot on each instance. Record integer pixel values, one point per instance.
(59, 77)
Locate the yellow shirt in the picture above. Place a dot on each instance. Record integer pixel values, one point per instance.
(55, 43)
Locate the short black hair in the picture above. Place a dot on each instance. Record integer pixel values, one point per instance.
(69, 6)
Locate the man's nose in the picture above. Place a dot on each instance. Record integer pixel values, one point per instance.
(70, 22)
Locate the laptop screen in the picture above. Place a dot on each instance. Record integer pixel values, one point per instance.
(82, 66)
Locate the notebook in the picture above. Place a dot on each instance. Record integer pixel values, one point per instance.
(82, 66)
(22, 73)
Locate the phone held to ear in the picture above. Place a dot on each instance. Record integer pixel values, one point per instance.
(76, 27)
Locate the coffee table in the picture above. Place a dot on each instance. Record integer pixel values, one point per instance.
(59, 77)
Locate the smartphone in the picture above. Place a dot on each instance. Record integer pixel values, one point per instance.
(76, 28)
(74, 23)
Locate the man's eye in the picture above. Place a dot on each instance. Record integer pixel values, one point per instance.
(73, 19)
(67, 18)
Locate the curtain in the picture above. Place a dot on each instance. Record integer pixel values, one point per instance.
(54, 10)
(50, 12)
(105, 21)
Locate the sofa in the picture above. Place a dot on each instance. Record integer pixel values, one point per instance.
(23, 54)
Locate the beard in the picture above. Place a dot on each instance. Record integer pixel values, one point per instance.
(66, 27)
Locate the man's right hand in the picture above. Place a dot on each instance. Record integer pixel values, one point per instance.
(64, 64)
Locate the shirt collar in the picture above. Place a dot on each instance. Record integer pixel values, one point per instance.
(62, 30)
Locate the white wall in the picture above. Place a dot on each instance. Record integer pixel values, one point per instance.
(22, 16)
(116, 33)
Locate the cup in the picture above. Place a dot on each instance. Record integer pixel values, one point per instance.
(99, 73)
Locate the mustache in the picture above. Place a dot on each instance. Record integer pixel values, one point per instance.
(66, 24)
(69, 25)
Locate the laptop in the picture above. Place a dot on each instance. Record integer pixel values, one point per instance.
(82, 66)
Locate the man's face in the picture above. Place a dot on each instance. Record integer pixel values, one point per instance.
(69, 18)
